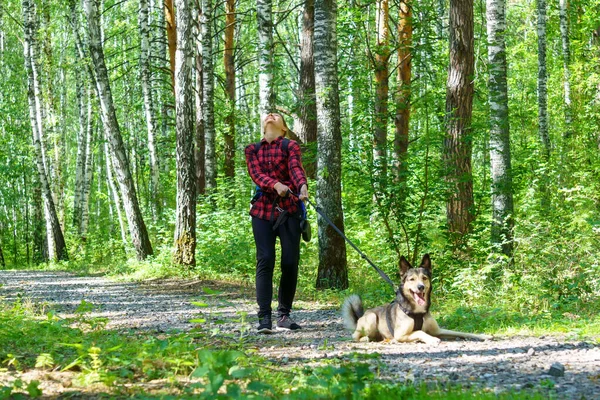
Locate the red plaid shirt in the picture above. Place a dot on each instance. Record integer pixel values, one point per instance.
(269, 166)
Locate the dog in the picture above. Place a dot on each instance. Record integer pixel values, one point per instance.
(407, 318)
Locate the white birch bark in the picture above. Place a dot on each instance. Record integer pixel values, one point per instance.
(264, 15)
(566, 49)
(542, 79)
(137, 228)
(200, 152)
(112, 188)
(333, 270)
(185, 221)
(500, 154)
(145, 52)
(81, 148)
(208, 106)
(57, 249)
(88, 168)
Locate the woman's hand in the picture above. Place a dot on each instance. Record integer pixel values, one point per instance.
(303, 192)
(281, 189)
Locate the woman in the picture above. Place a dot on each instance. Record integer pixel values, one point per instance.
(275, 165)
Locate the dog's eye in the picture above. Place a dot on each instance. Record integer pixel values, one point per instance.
(425, 278)
(412, 279)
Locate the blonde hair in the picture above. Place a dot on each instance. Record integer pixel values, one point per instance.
(287, 129)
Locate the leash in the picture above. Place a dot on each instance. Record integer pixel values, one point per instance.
(364, 257)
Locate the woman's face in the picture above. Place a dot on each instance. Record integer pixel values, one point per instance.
(275, 121)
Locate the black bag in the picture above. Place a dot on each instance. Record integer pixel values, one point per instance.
(304, 224)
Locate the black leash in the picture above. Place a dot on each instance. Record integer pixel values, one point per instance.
(364, 257)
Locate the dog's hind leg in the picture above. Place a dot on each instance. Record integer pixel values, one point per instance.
(456, 334)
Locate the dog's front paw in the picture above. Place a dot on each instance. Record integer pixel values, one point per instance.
(364, 339)
(433, 341)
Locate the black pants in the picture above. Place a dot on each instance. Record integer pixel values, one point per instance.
(264, 237)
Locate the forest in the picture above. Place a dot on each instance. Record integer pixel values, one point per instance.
(467, 130)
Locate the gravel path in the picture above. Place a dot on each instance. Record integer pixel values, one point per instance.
(504, 363)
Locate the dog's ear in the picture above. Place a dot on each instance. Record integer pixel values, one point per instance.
(404, 266)
(426, 262)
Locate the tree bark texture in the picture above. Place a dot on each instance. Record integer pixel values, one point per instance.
(171, 36)
(459, 106)
(149, 109)
(57, 249)
(380, 59)
(200, 152)
(306, 124)
(566, 49)
(333, 270)
(137, 227)
(500, 154)
(264, 15)
(403, 93)
(542, 79)
(208, 96)
(185, 223)
(229, 63)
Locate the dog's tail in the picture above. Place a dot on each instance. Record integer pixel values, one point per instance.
(352, 310)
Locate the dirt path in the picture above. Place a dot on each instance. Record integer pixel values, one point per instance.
(501, 364)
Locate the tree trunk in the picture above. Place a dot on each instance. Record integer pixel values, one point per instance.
(459, 105)
(264, 15)
(403, 100)
(149, 112)
(185, 223)
(306, 124)
(40, 243)
(208, 106)
(88, 169)
(200, 152)
(57, 249)
(500, 158)
(171, 36)
(81, 146)
(2, 262)
(112, 189)
(566, 47)
(333, 270)
(543, 100)
(137, 228)
(229, 63)
(542, 79)
(381, 57)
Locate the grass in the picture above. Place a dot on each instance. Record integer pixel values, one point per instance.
(108, 364)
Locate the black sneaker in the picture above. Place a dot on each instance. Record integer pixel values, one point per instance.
(286, 323)
(265, 325)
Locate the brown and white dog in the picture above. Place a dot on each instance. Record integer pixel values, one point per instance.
(407, 318)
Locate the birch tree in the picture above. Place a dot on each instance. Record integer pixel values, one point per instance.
(542, 79)
(542, 88)
(185, 223)
(333, 270)
(264, 15)
(137, 227)
(566, 50)
(200, 152)
(229, 63)
(208, 96)
(57, 249)
(499, 142)
(149, 109)
(459, 106)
